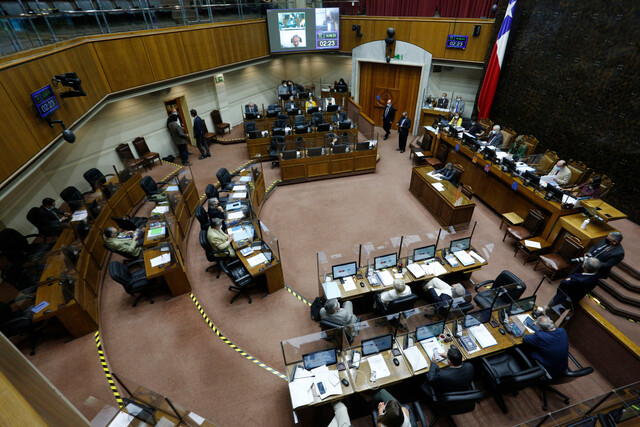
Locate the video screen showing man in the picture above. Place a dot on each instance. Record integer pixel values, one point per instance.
(292, 30)
(327, 19)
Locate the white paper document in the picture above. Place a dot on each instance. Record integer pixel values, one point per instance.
(547, 179)
(377, 364)
(438, 186)
(349, 284)
(79, 215)
(235, 215)
(532, 244)
(256, 260)
(522, 318)
(431, 344)
(419, 154)
(246, 178)
(330, 381)
(477, 257)
(197, 418)
(385, 277)
(300, 392)
(239, 188)
(416, 359)
(121, 420)
(162, 259)
(171, 188)
(434, 269)
(464, 258)
(160, 210)
(239, 195)
(483, 336)
(416, 270)
(331, 290)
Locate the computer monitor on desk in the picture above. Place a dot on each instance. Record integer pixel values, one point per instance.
(362, 146)
(332, 107)
(430, 330)
(289, 154)
(477, 317)
(311, 110)
(424, 253)
(314, 152)
(344, 270)
(323, 127)
(385, 261)
(531, 179)
(553, 193)
(377, 344)
(463, 244)
(250, 116)
(318, 358)
(345, 124)
(508, 165)
(522, 305)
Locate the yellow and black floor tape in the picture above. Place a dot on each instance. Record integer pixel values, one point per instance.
(297, 295)
(232, 345)
(107, 373)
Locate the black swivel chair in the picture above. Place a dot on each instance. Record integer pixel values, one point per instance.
(212, 191)
(151, 187)
(129, 223)
(45, 228)
(95, 178)
(397, 305)
(508, 284)
(73, 197)
(16, 247)
(249, 126)
(548, 381)
(217, 256)
(203, 218)
(415, 414)
(133, 282)
(273, 153)
(225, 179)
(242, 280)
(300, 123)
(13, 323)
(444, 405)
(317, 118)
(508, 373)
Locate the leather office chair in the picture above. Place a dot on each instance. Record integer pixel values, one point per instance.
(241, 278)
(507, 284)
(441, 154)
(16, 247)
(224, 177)
(529, 228)
(560, 260)
(13, 323)
(397, 305)
(467, 190)
(144, 153)
(548, 381)
(45, 228)
(202, 217)
(300, 143)
(151, 187)
(219, 126)
(579, 172)
(417, 146)
(300, 122)
(532, 143)
(212, 191)
(129, 223)
(217, 256)
(95, 178)
(250, 126)
(133, 282)
(73, 197)
(510, 372)
(605, 185)
(317, 118)
(273, 153)
(127, 158)
(273, 110)
(444, 405)
(23, 279)
(415, 415)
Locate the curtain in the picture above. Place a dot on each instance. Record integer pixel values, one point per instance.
(447, 8)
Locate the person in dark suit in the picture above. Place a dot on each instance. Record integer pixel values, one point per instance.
(609, 252)
(448, 172)
(198, 131)
(549, 346)
(577, 285)
(495, 137)
(443, 102)
(475, 128)
(179, 137)
(457, 377)
(404, 124)
(387, 118)
(50, 217)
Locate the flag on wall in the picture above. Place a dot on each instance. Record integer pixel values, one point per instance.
(495, 64)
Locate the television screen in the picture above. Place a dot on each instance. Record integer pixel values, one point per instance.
(303, 29)
(45, 100)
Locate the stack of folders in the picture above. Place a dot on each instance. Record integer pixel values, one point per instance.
(464, 258)
(452, 261)
(433, 268)
(483, 336)
(469, 344)
(385, 277)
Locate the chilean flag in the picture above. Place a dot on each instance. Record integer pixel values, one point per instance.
(495, 64)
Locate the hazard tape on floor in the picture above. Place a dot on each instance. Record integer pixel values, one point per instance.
(232, 345)
(107, 373)
(297, 295)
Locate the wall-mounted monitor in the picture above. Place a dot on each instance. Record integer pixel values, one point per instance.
(45, 100)
(303, 29)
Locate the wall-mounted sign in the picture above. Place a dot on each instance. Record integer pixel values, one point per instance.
(457, 42)
(219, 78)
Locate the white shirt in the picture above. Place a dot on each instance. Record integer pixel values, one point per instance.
(392, 294)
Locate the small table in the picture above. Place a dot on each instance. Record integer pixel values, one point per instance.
(511, 218)
(531, 251)
(150, 242)
(173, 273)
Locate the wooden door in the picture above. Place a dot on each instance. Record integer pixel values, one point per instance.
(175, 103)
(378, 82)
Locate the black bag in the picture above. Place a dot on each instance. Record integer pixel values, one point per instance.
(170, 158)
(315, 309)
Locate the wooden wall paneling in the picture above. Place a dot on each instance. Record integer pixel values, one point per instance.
(16, 141)
(476, 46)
(431, 36)
(255, 40)
(124, 62)
(19, 82)
(166, 55)
(200, 49)
(85, 62)
(228, 43)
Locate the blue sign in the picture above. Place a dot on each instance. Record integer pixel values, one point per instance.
(457, 147)
(457, 42)
(514, 185)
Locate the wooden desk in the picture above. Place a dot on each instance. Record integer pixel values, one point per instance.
(359, 378)
(504, 342)
(606, 212)
(330, 165)
(346, 391)
(173, 273)
(272, 271)
(429, 115)
(150, 242)
(449, 207)
(595, 231)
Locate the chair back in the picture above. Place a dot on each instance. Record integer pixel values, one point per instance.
(299, 120)
(73, 197)
(442, 152)
(95, 178)
(215, 117)
(508, 135)
(211, 191)
(204, 242)
(141, 146)
(548, 161)
(317, 118)
(124, 152)
(249, 126)
(202, 217)
(223, 176)
(506, 278)
(605, 185)
(457, 402)
(533, 222)
(467, 190)
(532, 143)
(121, 274)
(148, 185)
(33, 216)
(578, 172)
(401, 304)
(13, 244)
(569, 248)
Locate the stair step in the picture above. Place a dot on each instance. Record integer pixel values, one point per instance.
(625, 278)
(628, 269)
(621, 293)
(617, 307)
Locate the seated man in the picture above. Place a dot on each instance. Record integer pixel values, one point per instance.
(340, 416)
(215, 210)
(495, 138)
(251, 108)
(400, 289)
(291, 105)
(390, 411)
(577, 285)
(457, 377)
(50, 217)
(343, 316)
(129, 243)
(561, 173)
(441, 293)
(328, 101)
(448, 172)
(549, 346)
(219, 240)
(608, 251)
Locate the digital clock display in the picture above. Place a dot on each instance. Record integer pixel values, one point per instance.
(457, 42)
(45, 100)
(326, 39)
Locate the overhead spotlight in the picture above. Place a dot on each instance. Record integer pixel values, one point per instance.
(357, 29)
(67, 134)
(69, 80)
(390, 36)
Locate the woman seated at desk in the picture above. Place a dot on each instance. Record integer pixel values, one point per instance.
(589, 189)
(519, 147)
(218, 239)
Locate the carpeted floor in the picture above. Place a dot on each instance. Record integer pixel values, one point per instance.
(168, 348)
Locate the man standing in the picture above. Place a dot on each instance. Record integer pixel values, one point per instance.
(443, 102)
(561, 173)
(403, 131)
(577, 285)
(458, 106)
(198, 131)
(549, 346)
(387, 118)
(179, 138)
(609, 252)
